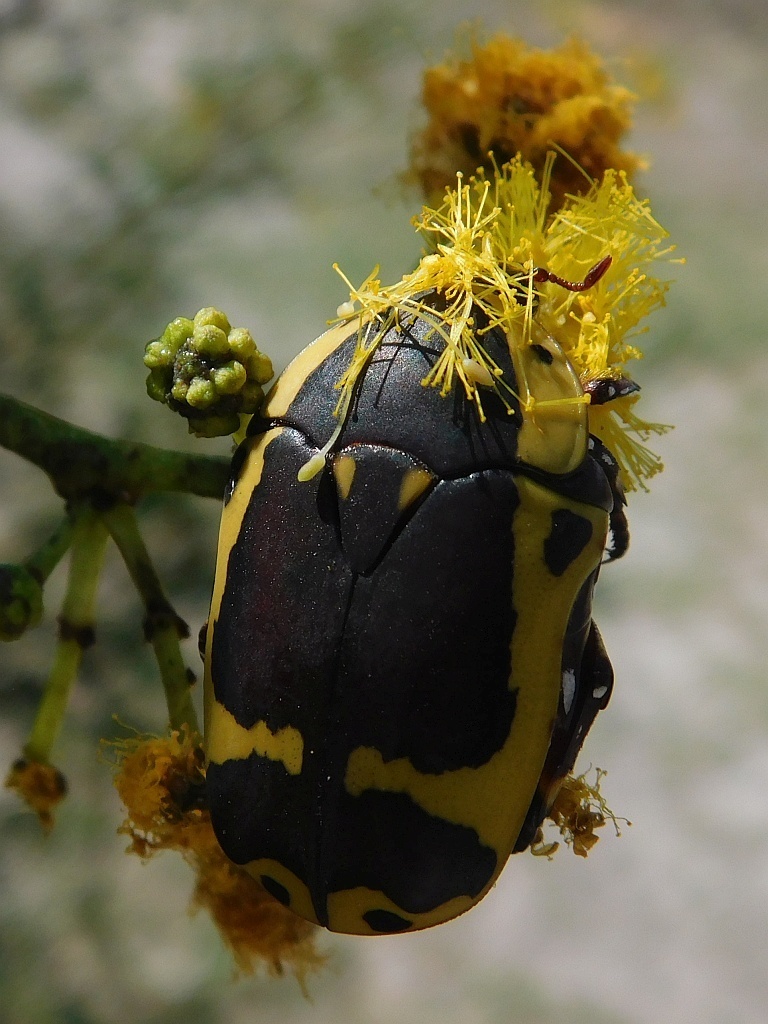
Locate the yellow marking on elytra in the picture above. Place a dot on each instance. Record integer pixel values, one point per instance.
(543, 604)
(493, 798)
(301, 901)
(414, 483)
(344, 467)
(346, 909)
(234, 511)
(227, 740)
(229, 530)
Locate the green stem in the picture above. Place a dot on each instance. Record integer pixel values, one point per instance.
(42, 563)
(89, 539)
(162, 626)
(83, 464)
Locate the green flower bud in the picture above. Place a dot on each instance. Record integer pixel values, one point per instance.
(210, 317)
(162, 351)
(215, 425)
(251, 397)
(201, 393)
(229, 378)
(210, 341)
(241, 343)
(157, 385)
(177, 332)
(21, 601)
(179, 391)
(259, 367)
(157, 354)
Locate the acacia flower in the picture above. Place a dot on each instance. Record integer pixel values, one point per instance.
(161, 781)
(578, 811)
(495, 255)
(40, 785)
(508, 98)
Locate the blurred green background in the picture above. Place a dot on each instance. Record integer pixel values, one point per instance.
(157, 157)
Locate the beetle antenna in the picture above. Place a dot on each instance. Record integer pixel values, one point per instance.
(543, 275)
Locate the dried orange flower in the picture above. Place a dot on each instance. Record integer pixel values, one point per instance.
(579, 809)
(40, 785)
(509, 98)
(161, 781)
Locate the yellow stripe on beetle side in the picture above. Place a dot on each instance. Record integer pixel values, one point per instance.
(229, 530)
(227, 740)
(543, 603)
(493, 798)
(234, 511)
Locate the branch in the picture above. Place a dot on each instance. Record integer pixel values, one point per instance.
(81, 463)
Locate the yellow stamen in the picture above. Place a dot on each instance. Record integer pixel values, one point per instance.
(485, 243)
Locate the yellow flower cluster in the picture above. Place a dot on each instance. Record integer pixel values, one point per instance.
(494, 249)
(508, 98)
(161, 782)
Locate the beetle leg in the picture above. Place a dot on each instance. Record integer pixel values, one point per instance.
(202, 638)
(589, 690)
(619, 532)
(618, 527)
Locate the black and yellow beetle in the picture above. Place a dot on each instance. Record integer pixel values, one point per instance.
(401, 659)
